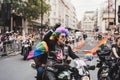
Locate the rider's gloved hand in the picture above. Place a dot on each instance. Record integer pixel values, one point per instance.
(56, 26)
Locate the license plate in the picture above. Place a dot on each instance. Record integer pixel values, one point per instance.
(25, 45)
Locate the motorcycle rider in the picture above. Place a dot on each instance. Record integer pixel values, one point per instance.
(40, 61)
(58, 42)
(115, 55)
(46, 38)
(28, 42)
(116, 48)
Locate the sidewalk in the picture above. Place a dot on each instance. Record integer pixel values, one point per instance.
(11, 53)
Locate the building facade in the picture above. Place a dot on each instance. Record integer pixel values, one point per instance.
(62, 11)
(89, 21)
(117, 10)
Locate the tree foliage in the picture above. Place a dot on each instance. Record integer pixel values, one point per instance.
(29, 9)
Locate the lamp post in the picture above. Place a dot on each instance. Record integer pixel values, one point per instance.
(12, 11)
(115, 14)
(41, 17)
(41, 12)
(108, 15)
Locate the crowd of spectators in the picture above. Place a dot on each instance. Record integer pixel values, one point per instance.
(12, 42)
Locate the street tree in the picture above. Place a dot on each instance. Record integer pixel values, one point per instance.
(29, 9)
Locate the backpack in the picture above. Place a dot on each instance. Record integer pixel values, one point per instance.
(40, 60)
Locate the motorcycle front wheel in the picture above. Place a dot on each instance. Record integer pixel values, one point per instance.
(103, 74)
(25, 53)
(116, 75)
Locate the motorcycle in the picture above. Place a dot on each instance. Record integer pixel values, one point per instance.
(26, 48)
(62, 70)
(115, 70)
(104, 64)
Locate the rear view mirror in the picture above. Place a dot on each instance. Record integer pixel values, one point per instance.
(92, 67)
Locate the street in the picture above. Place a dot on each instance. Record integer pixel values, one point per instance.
(14, 68)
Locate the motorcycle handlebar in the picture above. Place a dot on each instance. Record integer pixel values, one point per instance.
(118, 60)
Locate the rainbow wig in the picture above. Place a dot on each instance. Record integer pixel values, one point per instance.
(58, 31)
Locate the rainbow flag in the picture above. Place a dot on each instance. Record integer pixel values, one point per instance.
(41, 48)
(89, 54)
(102, 42)
(78, 47)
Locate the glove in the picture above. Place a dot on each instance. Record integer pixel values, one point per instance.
(56, 26)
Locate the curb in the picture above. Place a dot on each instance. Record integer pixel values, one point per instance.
(14, 54)
(10, 54)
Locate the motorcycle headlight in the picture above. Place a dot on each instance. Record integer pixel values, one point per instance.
(85, 78)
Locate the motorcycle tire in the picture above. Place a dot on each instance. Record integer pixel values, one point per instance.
(100, 75)
(25, 52)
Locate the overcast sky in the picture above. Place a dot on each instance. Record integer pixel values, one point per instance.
(85, 5)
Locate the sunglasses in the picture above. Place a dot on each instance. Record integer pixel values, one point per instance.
(62, 36)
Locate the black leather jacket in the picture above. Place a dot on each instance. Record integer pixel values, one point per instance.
(53, 44)
(67, 51)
